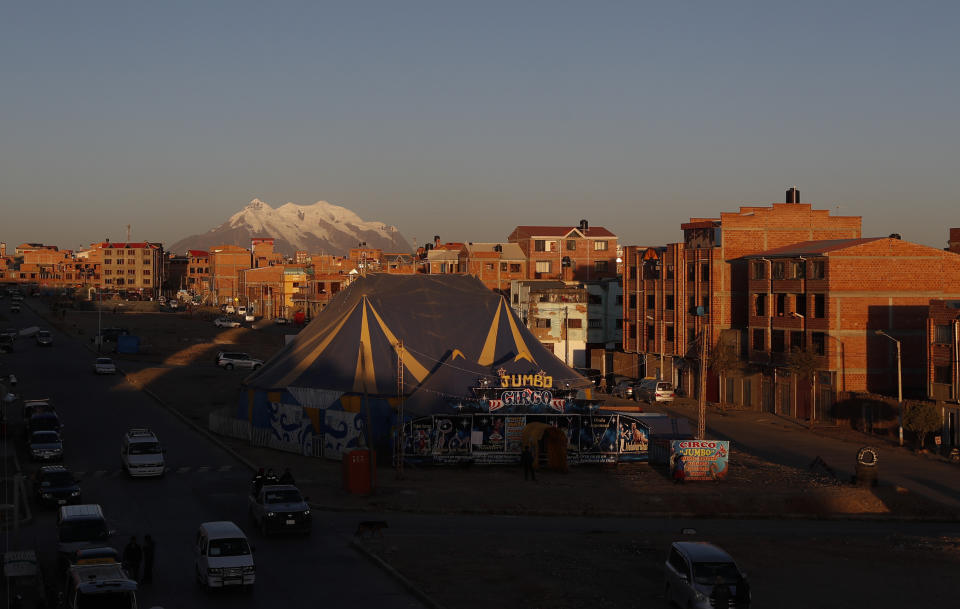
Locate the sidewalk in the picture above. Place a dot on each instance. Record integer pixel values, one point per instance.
(790, 443)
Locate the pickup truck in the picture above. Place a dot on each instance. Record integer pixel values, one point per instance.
(279, 507)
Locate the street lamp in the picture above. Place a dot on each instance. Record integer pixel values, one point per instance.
(899, 384)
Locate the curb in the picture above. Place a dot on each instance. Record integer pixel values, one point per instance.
(422, 596)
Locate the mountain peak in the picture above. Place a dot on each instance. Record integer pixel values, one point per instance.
(320, 227)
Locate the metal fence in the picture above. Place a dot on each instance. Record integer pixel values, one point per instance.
(222, 422)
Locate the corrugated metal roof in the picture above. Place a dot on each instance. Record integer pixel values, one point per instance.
(562, 231)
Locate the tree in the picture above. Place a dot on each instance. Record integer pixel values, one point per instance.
(724, 360)
(921, 419)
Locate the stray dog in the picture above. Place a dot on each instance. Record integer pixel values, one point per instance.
(370, 528)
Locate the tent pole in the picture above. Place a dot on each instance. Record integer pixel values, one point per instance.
(366, 406)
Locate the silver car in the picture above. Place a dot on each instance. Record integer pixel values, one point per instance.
(700, 575)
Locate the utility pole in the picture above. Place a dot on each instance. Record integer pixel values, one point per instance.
(401, 436)
(702, 406)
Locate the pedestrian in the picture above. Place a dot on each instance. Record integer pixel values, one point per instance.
(287, 477)
(132, 556)
(257, 481)
(526, 459)
(271, 477)
(148, 552)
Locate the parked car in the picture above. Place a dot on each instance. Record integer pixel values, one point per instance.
(231, 359)
(223, 322)
(653, 390)
(11, 333)
(44, 338)
(623, 389)
(248, 316)
(37, 405)
(241, 310)
(104, 365)
(45, 420)
(696, 572)
(281, 321)
(80, 526)
(141, 453)
(229, 309)
(55, 485)
(45, 446)
(15, 308)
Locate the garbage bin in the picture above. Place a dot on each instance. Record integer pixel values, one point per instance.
(359, 476)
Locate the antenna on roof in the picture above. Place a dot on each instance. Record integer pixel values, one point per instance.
(128, 233)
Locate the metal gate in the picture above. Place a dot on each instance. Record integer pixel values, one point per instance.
(768, 397)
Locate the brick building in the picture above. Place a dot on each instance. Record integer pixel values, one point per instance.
(495, 264)
(271, 291)
(262, 253)
(678, 293)
(943, 364)
(577, 253)
(846, 302)
(198, 272)
(130, 267)
(954, 244)
(226, 263)
(556, 313)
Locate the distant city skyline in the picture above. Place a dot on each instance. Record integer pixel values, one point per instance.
(466, 121)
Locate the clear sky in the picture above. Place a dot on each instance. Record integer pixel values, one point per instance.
(465, 119)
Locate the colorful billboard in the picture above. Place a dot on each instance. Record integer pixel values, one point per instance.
(699, 459)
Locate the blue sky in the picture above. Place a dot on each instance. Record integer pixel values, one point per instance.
(467, 119)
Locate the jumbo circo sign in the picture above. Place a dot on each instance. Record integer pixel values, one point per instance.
(699, 459)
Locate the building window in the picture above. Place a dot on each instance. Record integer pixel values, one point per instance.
(571, 245)
(692, 305)
(704, 272)
(781, 304)
(941, 374)
(601, 266)
(651, 301)
(777, 270)
(543, 266)
(107, 272)
(669, 271)
(514, 268)
(669, 334)
(819, 269)
(800, 304)
(108, 281)
(819, 342)
(759, 270)
(619, 299)
(651, 333)
(488, 266)
(108, 261)
(819, 305)
(943, 335)
(600, 246)
(119, 260)
(796, 341)
(759, 344)
(540, 245)
(799, 269)
(777, 341)
(760, 305)
(131, 271)
(669, 302)
(620, 324)
(633, 301)
(575, 323)
(691, 336)
(633, 331)
(632, 273)
(503, 267)
(691, 272)
(705, 303)
(146, 272)
(597, 324)
(542, 322)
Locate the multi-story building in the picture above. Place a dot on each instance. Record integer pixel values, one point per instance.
(859, 307)
(262, 253)
(198, 272)
(443, 259)
(577, 253)
(604, 315)
(226, 263)
(678, 295)
(943, 364)
(954, 244)
(130, 267)
(271, 291)
(495, 264)
(556, 313)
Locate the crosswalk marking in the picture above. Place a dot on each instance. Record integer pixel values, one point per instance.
(203, 468)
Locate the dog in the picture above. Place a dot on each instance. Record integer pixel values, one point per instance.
(370, 528)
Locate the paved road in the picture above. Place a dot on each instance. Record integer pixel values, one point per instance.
(203, 483)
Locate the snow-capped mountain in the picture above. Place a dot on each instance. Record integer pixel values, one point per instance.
(318, 228)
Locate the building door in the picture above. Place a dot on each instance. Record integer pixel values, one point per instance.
(785, 398)
(769, 397)
(825, 405)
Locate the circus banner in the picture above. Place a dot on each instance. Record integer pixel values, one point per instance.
(699, 459)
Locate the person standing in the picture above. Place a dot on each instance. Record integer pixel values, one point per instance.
(148, 552)
(526, 459)
(132, 557)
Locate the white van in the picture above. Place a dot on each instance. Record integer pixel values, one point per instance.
(223, 556)
(141, 453)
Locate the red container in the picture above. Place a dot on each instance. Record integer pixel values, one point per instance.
(359, 476)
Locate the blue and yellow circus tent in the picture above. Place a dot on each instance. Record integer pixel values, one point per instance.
(448, 332)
